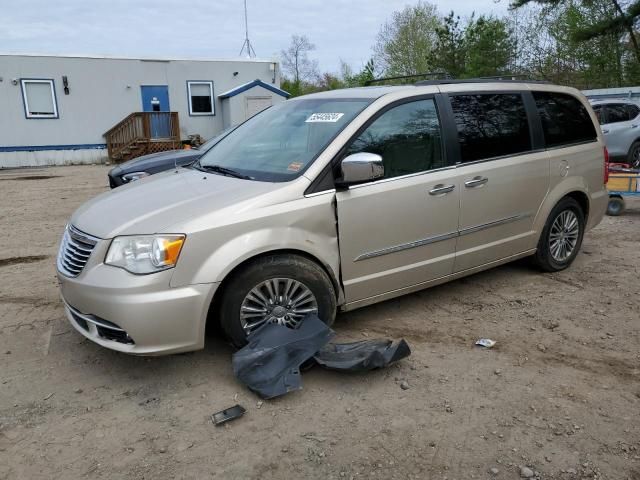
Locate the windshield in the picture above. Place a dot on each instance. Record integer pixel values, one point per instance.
(279, 143)
(213, 140)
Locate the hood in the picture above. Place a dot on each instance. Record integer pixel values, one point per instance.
(153, 204)
(144, 163)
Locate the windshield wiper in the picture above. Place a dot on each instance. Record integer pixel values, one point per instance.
(224, 171)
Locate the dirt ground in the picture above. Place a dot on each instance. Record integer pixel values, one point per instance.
(559, 393)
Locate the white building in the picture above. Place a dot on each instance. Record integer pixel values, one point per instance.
(57, 109)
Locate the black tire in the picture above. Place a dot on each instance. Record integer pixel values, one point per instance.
(615, 207)
(633, 158)
(543, 257)
(295, 267)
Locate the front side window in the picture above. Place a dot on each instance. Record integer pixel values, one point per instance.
(200, 98)
(39, 98)
(279, 143)
(617, 112)
(491, 125)
(407, 137)
(565, 120)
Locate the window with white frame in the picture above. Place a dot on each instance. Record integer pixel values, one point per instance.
(39, 98)
(200, 97)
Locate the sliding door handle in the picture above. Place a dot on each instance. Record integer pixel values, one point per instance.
(441, 189)
(476, 182)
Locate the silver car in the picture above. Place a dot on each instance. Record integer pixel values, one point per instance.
(334, 201)
(620, 120)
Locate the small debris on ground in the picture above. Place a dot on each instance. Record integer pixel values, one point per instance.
(485, 342)
(526, 472)
(404, 385)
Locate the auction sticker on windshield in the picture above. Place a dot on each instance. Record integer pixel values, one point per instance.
(294, 167)
(324, 117)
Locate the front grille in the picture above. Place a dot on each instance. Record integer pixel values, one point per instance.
(75, 250)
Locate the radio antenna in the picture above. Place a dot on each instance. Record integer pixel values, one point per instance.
(246, 46)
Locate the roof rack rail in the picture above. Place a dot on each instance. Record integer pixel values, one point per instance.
(499, 78)
(442, 75)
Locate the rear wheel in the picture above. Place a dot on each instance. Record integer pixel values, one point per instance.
(615, 207)
(634, 155)
(280, 289)
(561, 237)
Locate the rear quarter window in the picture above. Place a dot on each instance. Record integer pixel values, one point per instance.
(565, 120)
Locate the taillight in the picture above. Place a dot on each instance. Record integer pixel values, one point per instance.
(606, 165)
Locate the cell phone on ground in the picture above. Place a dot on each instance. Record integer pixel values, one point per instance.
(228, 414)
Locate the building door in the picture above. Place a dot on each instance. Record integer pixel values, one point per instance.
(155, 98)
(257, 104)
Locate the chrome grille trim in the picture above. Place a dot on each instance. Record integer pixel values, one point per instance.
(75, 250)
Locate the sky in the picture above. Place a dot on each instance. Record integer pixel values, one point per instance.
(341, 29)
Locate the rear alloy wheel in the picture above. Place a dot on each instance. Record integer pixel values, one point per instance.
(561, 237)
(280, 289)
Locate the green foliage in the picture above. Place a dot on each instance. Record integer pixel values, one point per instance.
(449, 52)
(489, 47)
(405, 44)
(621, 17)
(581, 43)
(359, 79)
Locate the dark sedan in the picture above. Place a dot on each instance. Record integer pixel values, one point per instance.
(158, 162)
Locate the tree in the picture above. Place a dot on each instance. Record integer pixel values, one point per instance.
(449, 53)
(359, 79)
(405, 44)
(296, 62)
(547, 47)
(489, 47)
(622, 19)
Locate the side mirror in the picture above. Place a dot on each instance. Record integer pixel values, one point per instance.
(359, 168)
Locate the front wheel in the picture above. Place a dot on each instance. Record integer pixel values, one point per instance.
(561, 237)
(634, 155)
(280, 289)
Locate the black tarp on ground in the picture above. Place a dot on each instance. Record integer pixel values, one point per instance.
(363, 355)
(270, 363)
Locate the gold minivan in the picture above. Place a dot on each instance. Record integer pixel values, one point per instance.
(336, 200)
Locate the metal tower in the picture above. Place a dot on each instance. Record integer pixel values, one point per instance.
(247, 48)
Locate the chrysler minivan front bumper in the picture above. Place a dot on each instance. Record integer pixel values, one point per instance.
(136, 314)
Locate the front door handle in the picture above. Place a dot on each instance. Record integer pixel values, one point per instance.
(605, 131)
(476, 182)
(441, 189)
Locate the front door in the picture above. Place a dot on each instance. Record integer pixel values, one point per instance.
(399, 231)
(155, 98)
(502, 181)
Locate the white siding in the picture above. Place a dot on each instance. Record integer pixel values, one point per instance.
(102, 91)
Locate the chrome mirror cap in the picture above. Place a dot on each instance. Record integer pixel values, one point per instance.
(361, 167)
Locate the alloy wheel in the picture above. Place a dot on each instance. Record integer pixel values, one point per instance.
(563, 236)
(284, 301)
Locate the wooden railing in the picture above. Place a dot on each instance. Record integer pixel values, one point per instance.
(134, 135)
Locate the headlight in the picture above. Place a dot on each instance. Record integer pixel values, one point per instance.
(132, 177)
(145, 254)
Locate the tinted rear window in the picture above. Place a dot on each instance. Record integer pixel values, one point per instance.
(633, 111)
(491, 125)
(565, 119)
